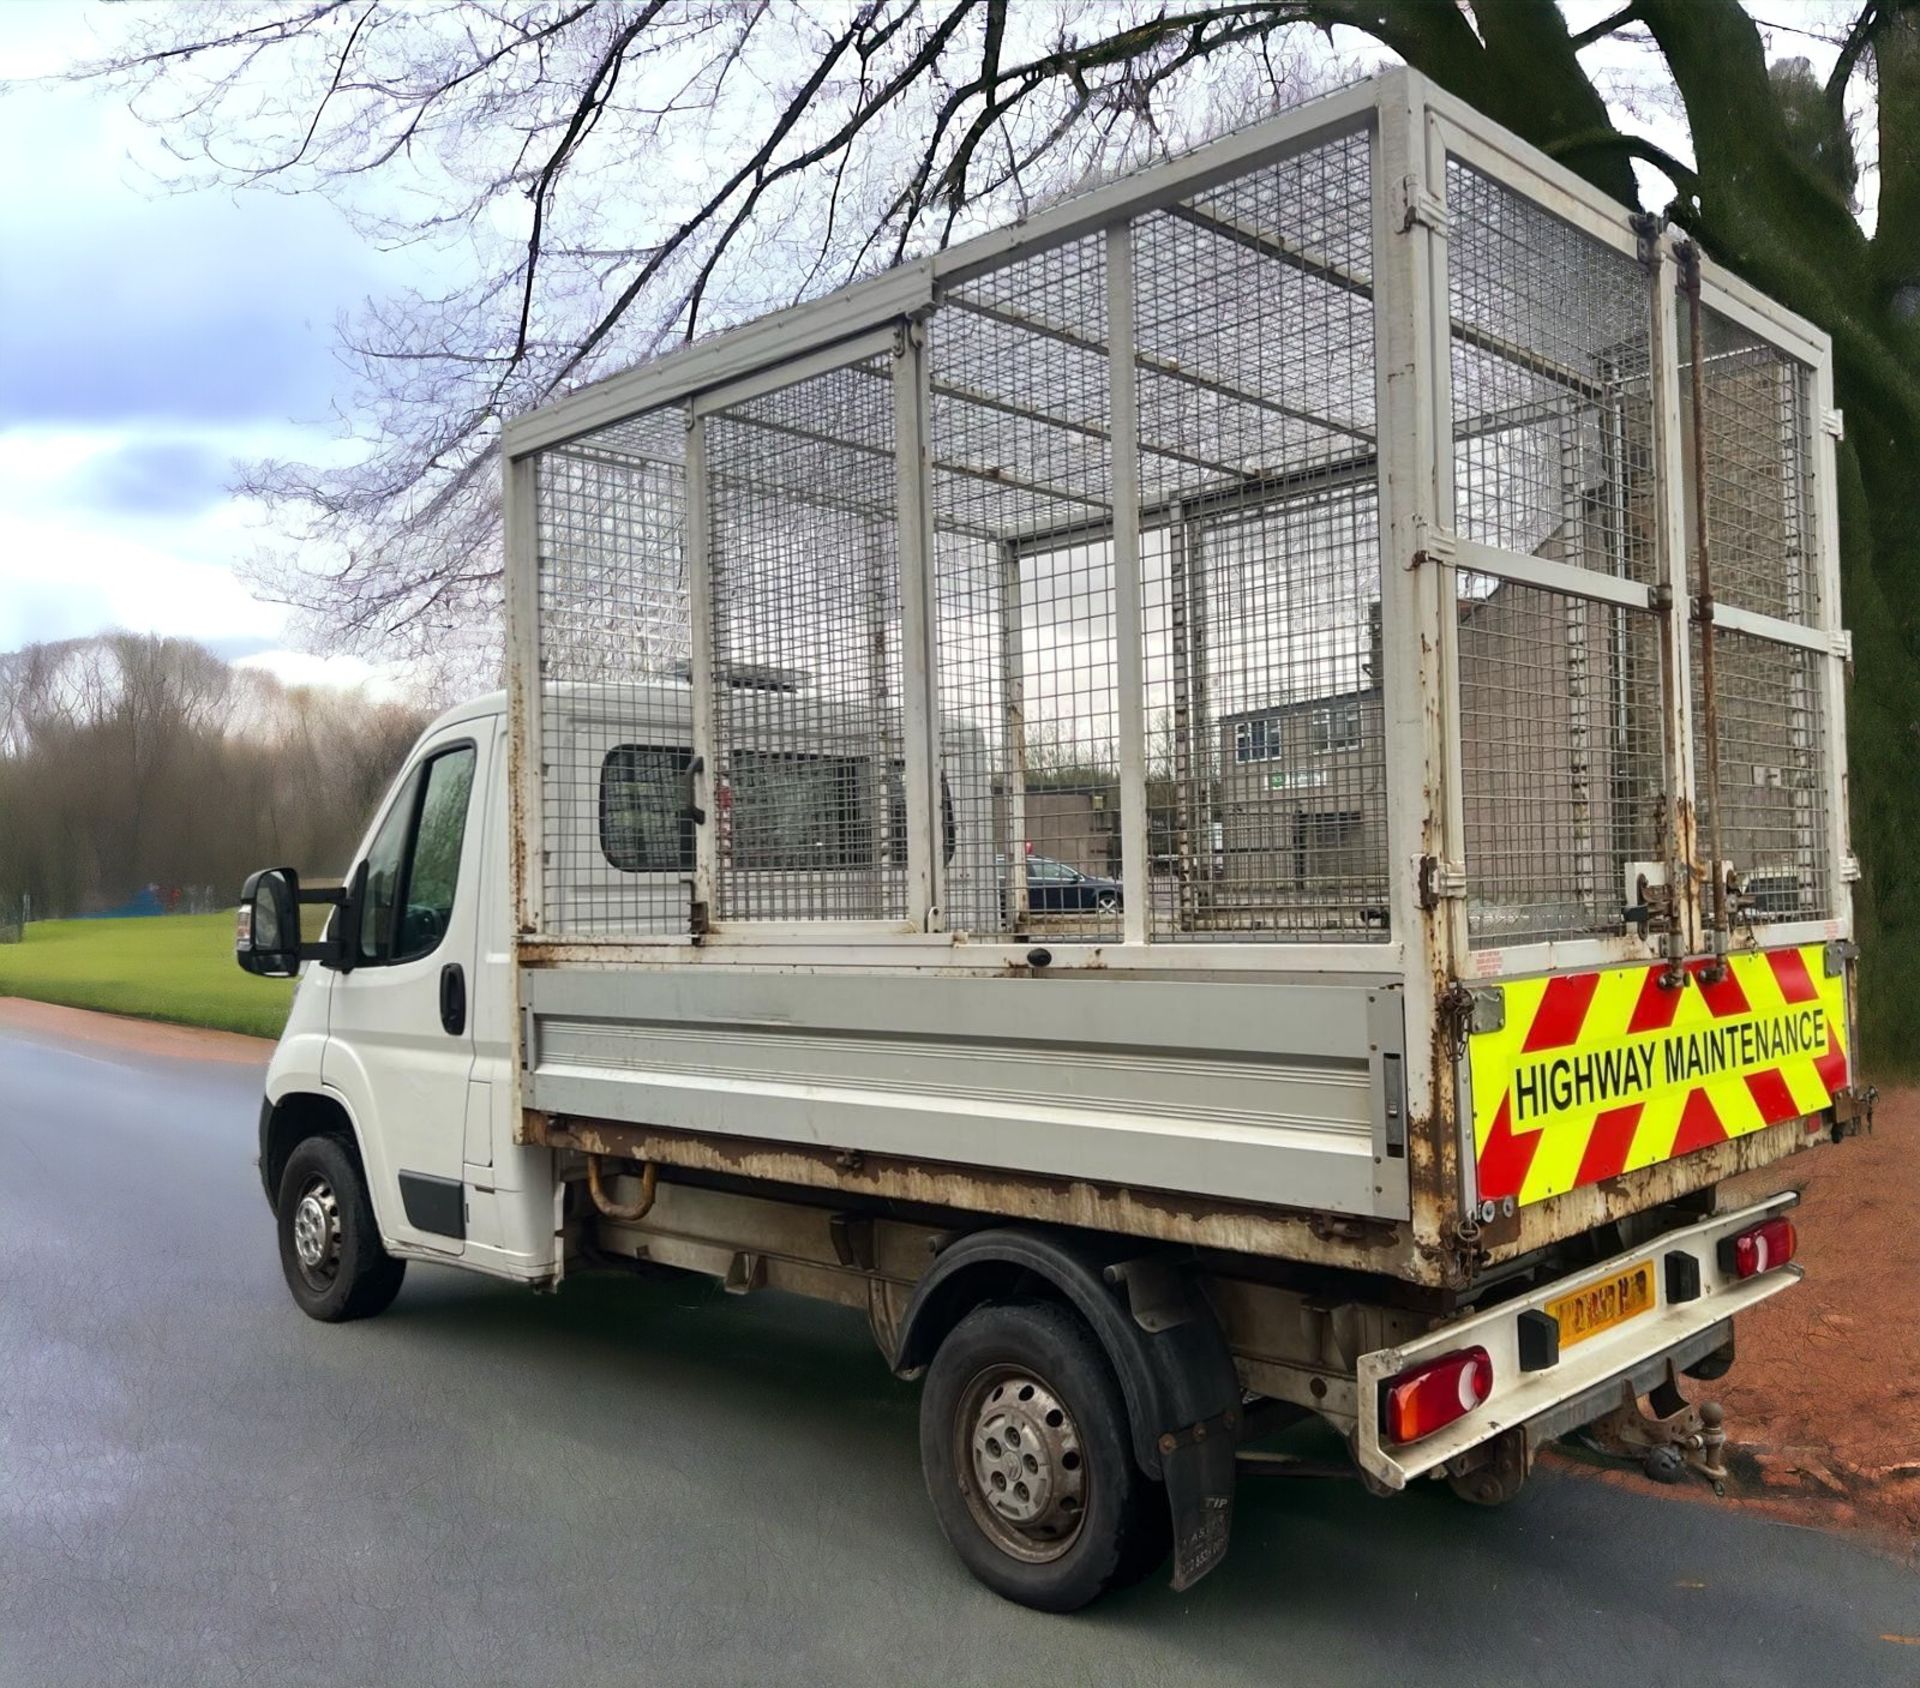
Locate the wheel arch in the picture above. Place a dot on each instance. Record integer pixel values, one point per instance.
(1173, 1377)
(287, 1123)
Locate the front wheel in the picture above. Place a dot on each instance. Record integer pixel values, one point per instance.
(1024, 1442)
(329, 1242)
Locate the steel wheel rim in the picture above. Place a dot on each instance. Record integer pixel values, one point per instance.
(1021, 1463)
(316, 1232)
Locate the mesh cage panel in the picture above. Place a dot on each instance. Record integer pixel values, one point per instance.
(805, 566)
(1757, 410)
(615, 709)
(1560, 698)
(1266, 765)
(1561, 764)
(1022, 490)
(1552, 406)
(1773, 816)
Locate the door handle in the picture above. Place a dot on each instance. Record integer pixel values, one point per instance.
(453, 998)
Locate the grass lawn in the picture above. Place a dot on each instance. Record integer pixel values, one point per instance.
(175, 967)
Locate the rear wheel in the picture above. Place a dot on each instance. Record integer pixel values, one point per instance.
(330, 1247)
(1024, 1441)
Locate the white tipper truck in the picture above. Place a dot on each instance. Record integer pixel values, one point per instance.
(1224, 806)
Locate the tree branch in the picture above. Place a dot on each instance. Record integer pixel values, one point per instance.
(1633, 146)
(1607, 25)
(1868, 23)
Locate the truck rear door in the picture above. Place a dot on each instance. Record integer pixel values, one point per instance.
(1649, 669)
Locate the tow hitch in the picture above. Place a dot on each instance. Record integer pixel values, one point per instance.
(1674, 1437)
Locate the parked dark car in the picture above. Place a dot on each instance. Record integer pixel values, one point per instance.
(1055, 888)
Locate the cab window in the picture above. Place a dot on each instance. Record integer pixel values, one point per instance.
(434, 874)
(645, 826)
(413, 866)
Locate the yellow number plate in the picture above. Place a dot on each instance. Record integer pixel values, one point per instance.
(1612, 1301)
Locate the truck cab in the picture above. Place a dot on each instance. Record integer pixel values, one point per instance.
(402, 1035)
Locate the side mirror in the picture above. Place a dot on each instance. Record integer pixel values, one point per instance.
(266, 930)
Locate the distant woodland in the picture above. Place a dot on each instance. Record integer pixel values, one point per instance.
(129, 761)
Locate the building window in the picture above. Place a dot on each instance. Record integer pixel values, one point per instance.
(1257, 741)
(1334, 727)
(1328, 844)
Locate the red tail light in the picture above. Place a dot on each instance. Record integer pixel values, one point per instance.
(1759, 1248)
(1429, 1397)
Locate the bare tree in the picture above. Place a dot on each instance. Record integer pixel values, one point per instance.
(129, 761)
(619, 176)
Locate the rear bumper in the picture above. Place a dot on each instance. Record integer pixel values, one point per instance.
(1585, 1379)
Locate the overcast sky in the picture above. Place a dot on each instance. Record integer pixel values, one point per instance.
(150, 338)
(147, 340)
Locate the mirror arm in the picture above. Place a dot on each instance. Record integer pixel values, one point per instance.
(326, 951)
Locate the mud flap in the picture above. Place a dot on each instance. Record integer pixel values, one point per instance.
(1199, 1474)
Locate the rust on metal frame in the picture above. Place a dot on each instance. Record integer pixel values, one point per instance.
(1376, 1246)
(1589, 1205)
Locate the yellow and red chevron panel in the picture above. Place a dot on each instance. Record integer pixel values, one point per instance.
(1596, 1074)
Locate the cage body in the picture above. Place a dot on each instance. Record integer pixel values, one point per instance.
(1082, 714)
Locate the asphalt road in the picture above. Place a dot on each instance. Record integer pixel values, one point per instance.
(652, 1483)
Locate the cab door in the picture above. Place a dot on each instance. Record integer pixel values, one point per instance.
(400, 1043)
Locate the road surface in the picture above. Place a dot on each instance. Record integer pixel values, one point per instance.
(637, 1482)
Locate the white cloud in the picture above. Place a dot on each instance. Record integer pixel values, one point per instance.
(303, 668)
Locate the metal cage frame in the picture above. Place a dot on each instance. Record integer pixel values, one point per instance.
(1415, 130)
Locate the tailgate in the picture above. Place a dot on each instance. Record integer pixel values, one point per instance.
(1577, 1078)
(1672, 1298)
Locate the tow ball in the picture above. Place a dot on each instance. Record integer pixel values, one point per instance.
(1668, 1437)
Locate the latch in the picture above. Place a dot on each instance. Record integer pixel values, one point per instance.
(1419, 206)
(1649, 900)
(1489, 1012)
(1440, 880)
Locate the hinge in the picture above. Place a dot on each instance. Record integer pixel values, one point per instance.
(1836, 955)
(1849, 868)
(1420, 206)
(1432, 544)
(1834, 422)
(1646, 233)
(1440, 880)
(1841, 643)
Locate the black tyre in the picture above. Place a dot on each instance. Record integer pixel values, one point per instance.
(329, 1244)
(1024, 1441)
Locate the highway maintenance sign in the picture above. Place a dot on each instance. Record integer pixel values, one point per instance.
(1595, 1074)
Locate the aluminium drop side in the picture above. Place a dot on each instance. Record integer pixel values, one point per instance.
(1305, 537)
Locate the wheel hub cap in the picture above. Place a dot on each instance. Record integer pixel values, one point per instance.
(316, 1227)
(1027, 1461)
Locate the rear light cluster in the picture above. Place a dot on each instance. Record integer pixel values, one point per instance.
(1759, 1248)
(1431, 1396)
